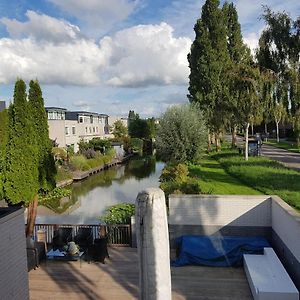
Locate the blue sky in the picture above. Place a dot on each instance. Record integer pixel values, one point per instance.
(109, 56)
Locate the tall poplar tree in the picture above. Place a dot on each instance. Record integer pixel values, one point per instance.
(3, 142)
(208, 62)
(21, 169)
(45, 161)
(239, 54)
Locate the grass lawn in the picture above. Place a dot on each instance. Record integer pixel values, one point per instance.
(214, 180)
(285, 145)
(264, 175)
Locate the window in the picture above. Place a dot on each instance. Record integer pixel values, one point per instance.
(97, 129)
(73, 130)
(90, 129)
(86, 130)
(67, 130)
(80, 119)
(91, 118)
(94, 130)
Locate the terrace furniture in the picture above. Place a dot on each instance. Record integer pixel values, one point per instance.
(267, 277)
(36, 252)
(98, 251)
(62, 236)
(64, 256)
(84, 237)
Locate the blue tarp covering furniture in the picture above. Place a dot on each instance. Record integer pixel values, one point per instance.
(217, 251)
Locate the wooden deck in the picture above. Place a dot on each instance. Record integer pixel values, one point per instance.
(118, 279)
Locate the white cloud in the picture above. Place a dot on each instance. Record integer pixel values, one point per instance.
(42, 27)
(54, 52)
(145, 55)
(98, 16)
(251, 40)
(75, 63)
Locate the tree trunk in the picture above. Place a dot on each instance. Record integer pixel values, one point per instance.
(266, 132)
(31, 215)
(252, 129)
(233, 137)
(246, 140)
(208, 141)
(277, 131)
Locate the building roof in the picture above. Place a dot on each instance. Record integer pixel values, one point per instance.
(55, 108)
(73, 115)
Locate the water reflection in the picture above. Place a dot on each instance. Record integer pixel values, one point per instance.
(120, 184)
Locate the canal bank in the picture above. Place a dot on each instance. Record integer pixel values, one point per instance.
(118, 184)
(81, 175)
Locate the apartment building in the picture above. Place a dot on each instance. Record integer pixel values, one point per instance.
(67, 128)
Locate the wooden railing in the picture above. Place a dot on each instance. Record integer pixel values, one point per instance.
(117, 235)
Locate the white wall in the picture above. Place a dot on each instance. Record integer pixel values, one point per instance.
(13, 257)
(286, 223)
(207, 210)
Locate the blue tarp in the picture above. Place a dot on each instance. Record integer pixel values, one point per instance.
(217, 251)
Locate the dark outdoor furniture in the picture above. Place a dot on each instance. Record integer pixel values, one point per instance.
(62, 236)
(36, 252)
(84, 237)
(98, 251)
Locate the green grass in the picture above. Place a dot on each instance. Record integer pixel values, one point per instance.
(214, 180)
(264, 175)
(285, 145)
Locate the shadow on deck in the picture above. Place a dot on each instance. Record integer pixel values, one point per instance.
(118, 279)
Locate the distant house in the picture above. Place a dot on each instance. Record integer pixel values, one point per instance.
(113, 119)
(2, 105)
(67, 128)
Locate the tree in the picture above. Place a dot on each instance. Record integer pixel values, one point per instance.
(21, 167)
(239, 54)
(181, 134)
(279, 51)
(208, 62)
(119, 129)
(246, 82)
(3, 142)
(45, 160)
(279, 112)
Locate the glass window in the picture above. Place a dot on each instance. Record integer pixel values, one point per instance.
(86, 130)
(73, 130)
(80, 119)
(67, 130)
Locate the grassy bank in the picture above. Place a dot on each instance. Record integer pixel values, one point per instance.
(214, 180)
(285, 145)
(263, 175)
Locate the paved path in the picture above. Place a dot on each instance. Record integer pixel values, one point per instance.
(289, 159)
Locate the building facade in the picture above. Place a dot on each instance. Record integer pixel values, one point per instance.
(68, 128)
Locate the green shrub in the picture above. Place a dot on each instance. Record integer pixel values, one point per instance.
(136, 144)
(55, 194)
(175, 180)
(79, 162)
(118, 214)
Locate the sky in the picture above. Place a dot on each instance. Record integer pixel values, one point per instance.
(109, 56)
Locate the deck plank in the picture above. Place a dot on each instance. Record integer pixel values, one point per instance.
(118, 279)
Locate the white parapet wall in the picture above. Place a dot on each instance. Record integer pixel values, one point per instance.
(267, 216)
(214, 210)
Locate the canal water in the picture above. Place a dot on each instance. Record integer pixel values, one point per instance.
(92, 196)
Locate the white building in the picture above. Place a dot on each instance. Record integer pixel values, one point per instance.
(113, 119)
(67, 128)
